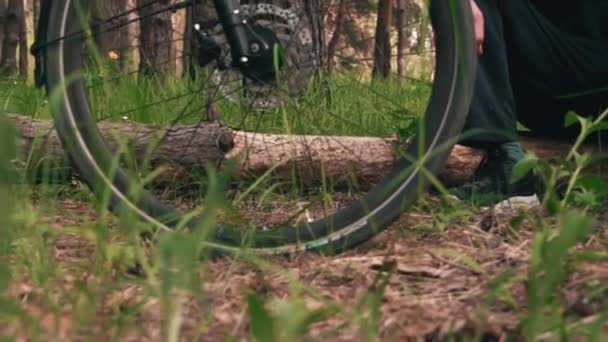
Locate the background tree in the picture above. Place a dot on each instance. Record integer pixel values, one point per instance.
(187, 61)
(156, 37)
(113, 44)
(408, 14)
(24, 51)
(314, 13)
(382, 49)
(402, 37)
(13, 26)
(2, 21)
(36, 6)
(339, 29)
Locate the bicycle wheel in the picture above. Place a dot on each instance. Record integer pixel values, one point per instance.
(136, 79)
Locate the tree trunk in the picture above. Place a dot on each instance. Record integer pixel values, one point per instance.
(402, 38)
(382, 49)
(179, 23)
(113, 44)
(187, 148)
(23, 46)
(192, 147)
(409, 13)
(425, 34)
(2, 23)
(12, 23)
(181, 148)
(156, 47)
(335, 38)
(314, 11)
(188, 48)
(36, 12)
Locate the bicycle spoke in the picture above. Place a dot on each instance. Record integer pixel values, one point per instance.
(287, 105)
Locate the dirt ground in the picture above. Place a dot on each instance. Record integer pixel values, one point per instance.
(428, 296)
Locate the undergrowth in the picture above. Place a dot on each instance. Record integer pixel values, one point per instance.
(167, 270)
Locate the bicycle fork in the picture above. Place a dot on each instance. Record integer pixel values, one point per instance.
(253, 47)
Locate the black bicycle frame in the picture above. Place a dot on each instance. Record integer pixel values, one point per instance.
(37, 48)
(235, 27)
(239, 34)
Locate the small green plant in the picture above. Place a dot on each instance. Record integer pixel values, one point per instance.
(9, 308)
(548, 270)
(552, 249)
(585, 190)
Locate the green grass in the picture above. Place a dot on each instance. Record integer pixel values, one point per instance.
(345, 104)
(20, 97)
(71, 270)
(341, 105)
(44, 294)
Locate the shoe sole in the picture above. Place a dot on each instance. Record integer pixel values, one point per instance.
(509, 204)
(515, 203)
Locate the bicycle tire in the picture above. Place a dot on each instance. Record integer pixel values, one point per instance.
(445, 116)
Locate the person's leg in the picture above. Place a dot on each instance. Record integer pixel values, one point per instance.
(553, 69)
(492, 117)
(492, 124)
(550, 71)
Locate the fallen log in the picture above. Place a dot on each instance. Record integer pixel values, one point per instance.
(183, 148)
(178, 147)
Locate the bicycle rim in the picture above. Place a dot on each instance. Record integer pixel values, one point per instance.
(324, 222)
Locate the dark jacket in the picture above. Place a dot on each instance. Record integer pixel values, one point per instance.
(583, 18)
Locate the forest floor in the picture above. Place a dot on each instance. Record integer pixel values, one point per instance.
(429, 276)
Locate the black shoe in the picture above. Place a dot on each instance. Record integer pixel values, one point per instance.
(491, 185)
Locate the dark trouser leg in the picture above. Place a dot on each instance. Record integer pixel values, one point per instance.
(552, 71)
(532, 69)
(492, 117)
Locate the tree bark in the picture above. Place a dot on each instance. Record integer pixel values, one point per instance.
(186, 148)
(180, 148)
(23, 46)
(12, 23)
(382, 49)
(188, 48)
(179, 27)
(113, 44)
(156, 47)
(335, 38)
(314, 11)
(408, 13)
(401, 38)
(192, 147)
(2, 23)
(425, 34)
(36, 6)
